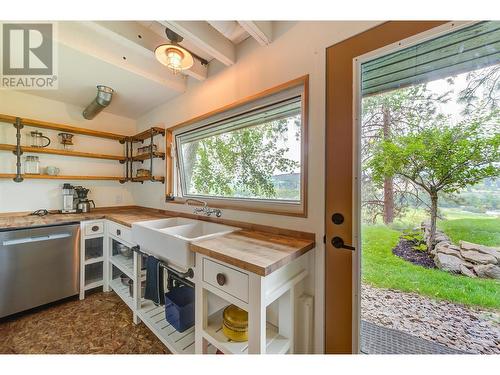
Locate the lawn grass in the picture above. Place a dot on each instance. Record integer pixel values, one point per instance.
(383, 269)
(481, 231)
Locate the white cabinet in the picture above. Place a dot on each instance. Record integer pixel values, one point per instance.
(253, 293)
(92, 256)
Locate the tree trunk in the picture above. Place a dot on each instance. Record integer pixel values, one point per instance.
(434, 209)
(388, 182)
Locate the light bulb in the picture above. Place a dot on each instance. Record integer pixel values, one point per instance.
(174, 60)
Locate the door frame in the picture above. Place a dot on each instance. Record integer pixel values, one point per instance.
(356, 228)
(341, 297)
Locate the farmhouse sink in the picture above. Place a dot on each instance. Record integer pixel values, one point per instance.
(169, 239)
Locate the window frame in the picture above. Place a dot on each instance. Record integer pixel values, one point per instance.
(278, 207)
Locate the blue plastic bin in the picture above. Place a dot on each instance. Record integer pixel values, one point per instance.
(179, 307)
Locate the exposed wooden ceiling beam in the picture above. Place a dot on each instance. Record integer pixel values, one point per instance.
(261, 31)
(93, 39)
(206, 38)
(146, 40)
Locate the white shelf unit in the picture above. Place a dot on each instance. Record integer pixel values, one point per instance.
(122, 291)
(154, 318)
(126, 265)
(144, 310)
(93, 272)
(275, 343)
(250, 292)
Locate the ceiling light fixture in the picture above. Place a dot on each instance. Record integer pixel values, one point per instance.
(172, 55)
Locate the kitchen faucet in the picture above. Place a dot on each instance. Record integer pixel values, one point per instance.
(205, 209)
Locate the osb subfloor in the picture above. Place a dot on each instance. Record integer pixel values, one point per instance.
(100, 324)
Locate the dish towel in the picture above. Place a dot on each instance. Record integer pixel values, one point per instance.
(154, 281)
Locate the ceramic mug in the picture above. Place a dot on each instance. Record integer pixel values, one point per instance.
(52, 171)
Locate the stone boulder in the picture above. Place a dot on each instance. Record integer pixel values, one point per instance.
(478, 258)
(466, 271)
(448, 263)
(446, 249)
(493, 251)
(490, 271)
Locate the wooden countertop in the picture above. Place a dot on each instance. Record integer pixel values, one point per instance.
(121, 215)
(258, 252)
(255, 248)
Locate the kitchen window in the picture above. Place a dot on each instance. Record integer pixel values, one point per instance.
(249, 156)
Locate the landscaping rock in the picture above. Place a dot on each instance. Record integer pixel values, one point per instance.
(449, 251)
(466, 271)
(493, 251)
(487, 271)
(448, 263)
(477, 257)
(457, 326)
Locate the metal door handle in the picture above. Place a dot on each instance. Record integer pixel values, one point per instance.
(338, 243)
(20, 241)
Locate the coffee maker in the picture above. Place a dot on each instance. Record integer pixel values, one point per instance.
(68, 192)
(82, 202)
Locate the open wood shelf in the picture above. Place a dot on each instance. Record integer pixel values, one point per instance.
(60, 177)
(62, 127)
(147, 178)
(39, 150)
(147, 156)
(142, 136)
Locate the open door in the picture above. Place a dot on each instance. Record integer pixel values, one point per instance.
(341, 272)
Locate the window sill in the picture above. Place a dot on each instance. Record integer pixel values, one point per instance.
(273, 208)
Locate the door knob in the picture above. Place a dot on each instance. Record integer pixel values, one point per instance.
(338, 243)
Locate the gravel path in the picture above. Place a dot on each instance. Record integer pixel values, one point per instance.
(456, 326)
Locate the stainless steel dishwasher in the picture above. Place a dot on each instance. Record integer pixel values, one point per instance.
(38, 266)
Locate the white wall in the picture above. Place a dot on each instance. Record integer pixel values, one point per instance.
(34, 194)
(298, 48)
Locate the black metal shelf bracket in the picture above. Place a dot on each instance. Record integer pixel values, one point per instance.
(18, 125)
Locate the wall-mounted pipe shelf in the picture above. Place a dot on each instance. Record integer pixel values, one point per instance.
(52, 151)
(128, 159)
(60, 177)
(62, 127)
(147, 156)
(146, 134)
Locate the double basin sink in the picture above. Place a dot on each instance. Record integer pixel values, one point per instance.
(169, 239)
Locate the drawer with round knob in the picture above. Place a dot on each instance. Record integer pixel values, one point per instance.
(225, 278)
(95, 227)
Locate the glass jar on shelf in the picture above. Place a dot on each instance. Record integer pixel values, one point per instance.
(31, 165)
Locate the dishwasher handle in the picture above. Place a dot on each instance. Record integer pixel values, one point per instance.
(50, 237)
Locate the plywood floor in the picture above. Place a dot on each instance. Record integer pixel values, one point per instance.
(100, 324)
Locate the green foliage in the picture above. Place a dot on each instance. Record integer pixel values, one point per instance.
(416, 238)
(440, 157)
(381, 268)
(242, 162)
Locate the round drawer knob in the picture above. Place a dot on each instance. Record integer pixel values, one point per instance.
(95, 228)
(221, 279)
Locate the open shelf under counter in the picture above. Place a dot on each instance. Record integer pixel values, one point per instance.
(123, 292)
(124, 264)
(94, 260)
(154, 318)
(93, 284)
(275, 343)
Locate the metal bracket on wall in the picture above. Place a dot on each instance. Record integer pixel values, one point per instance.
(18, 125)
